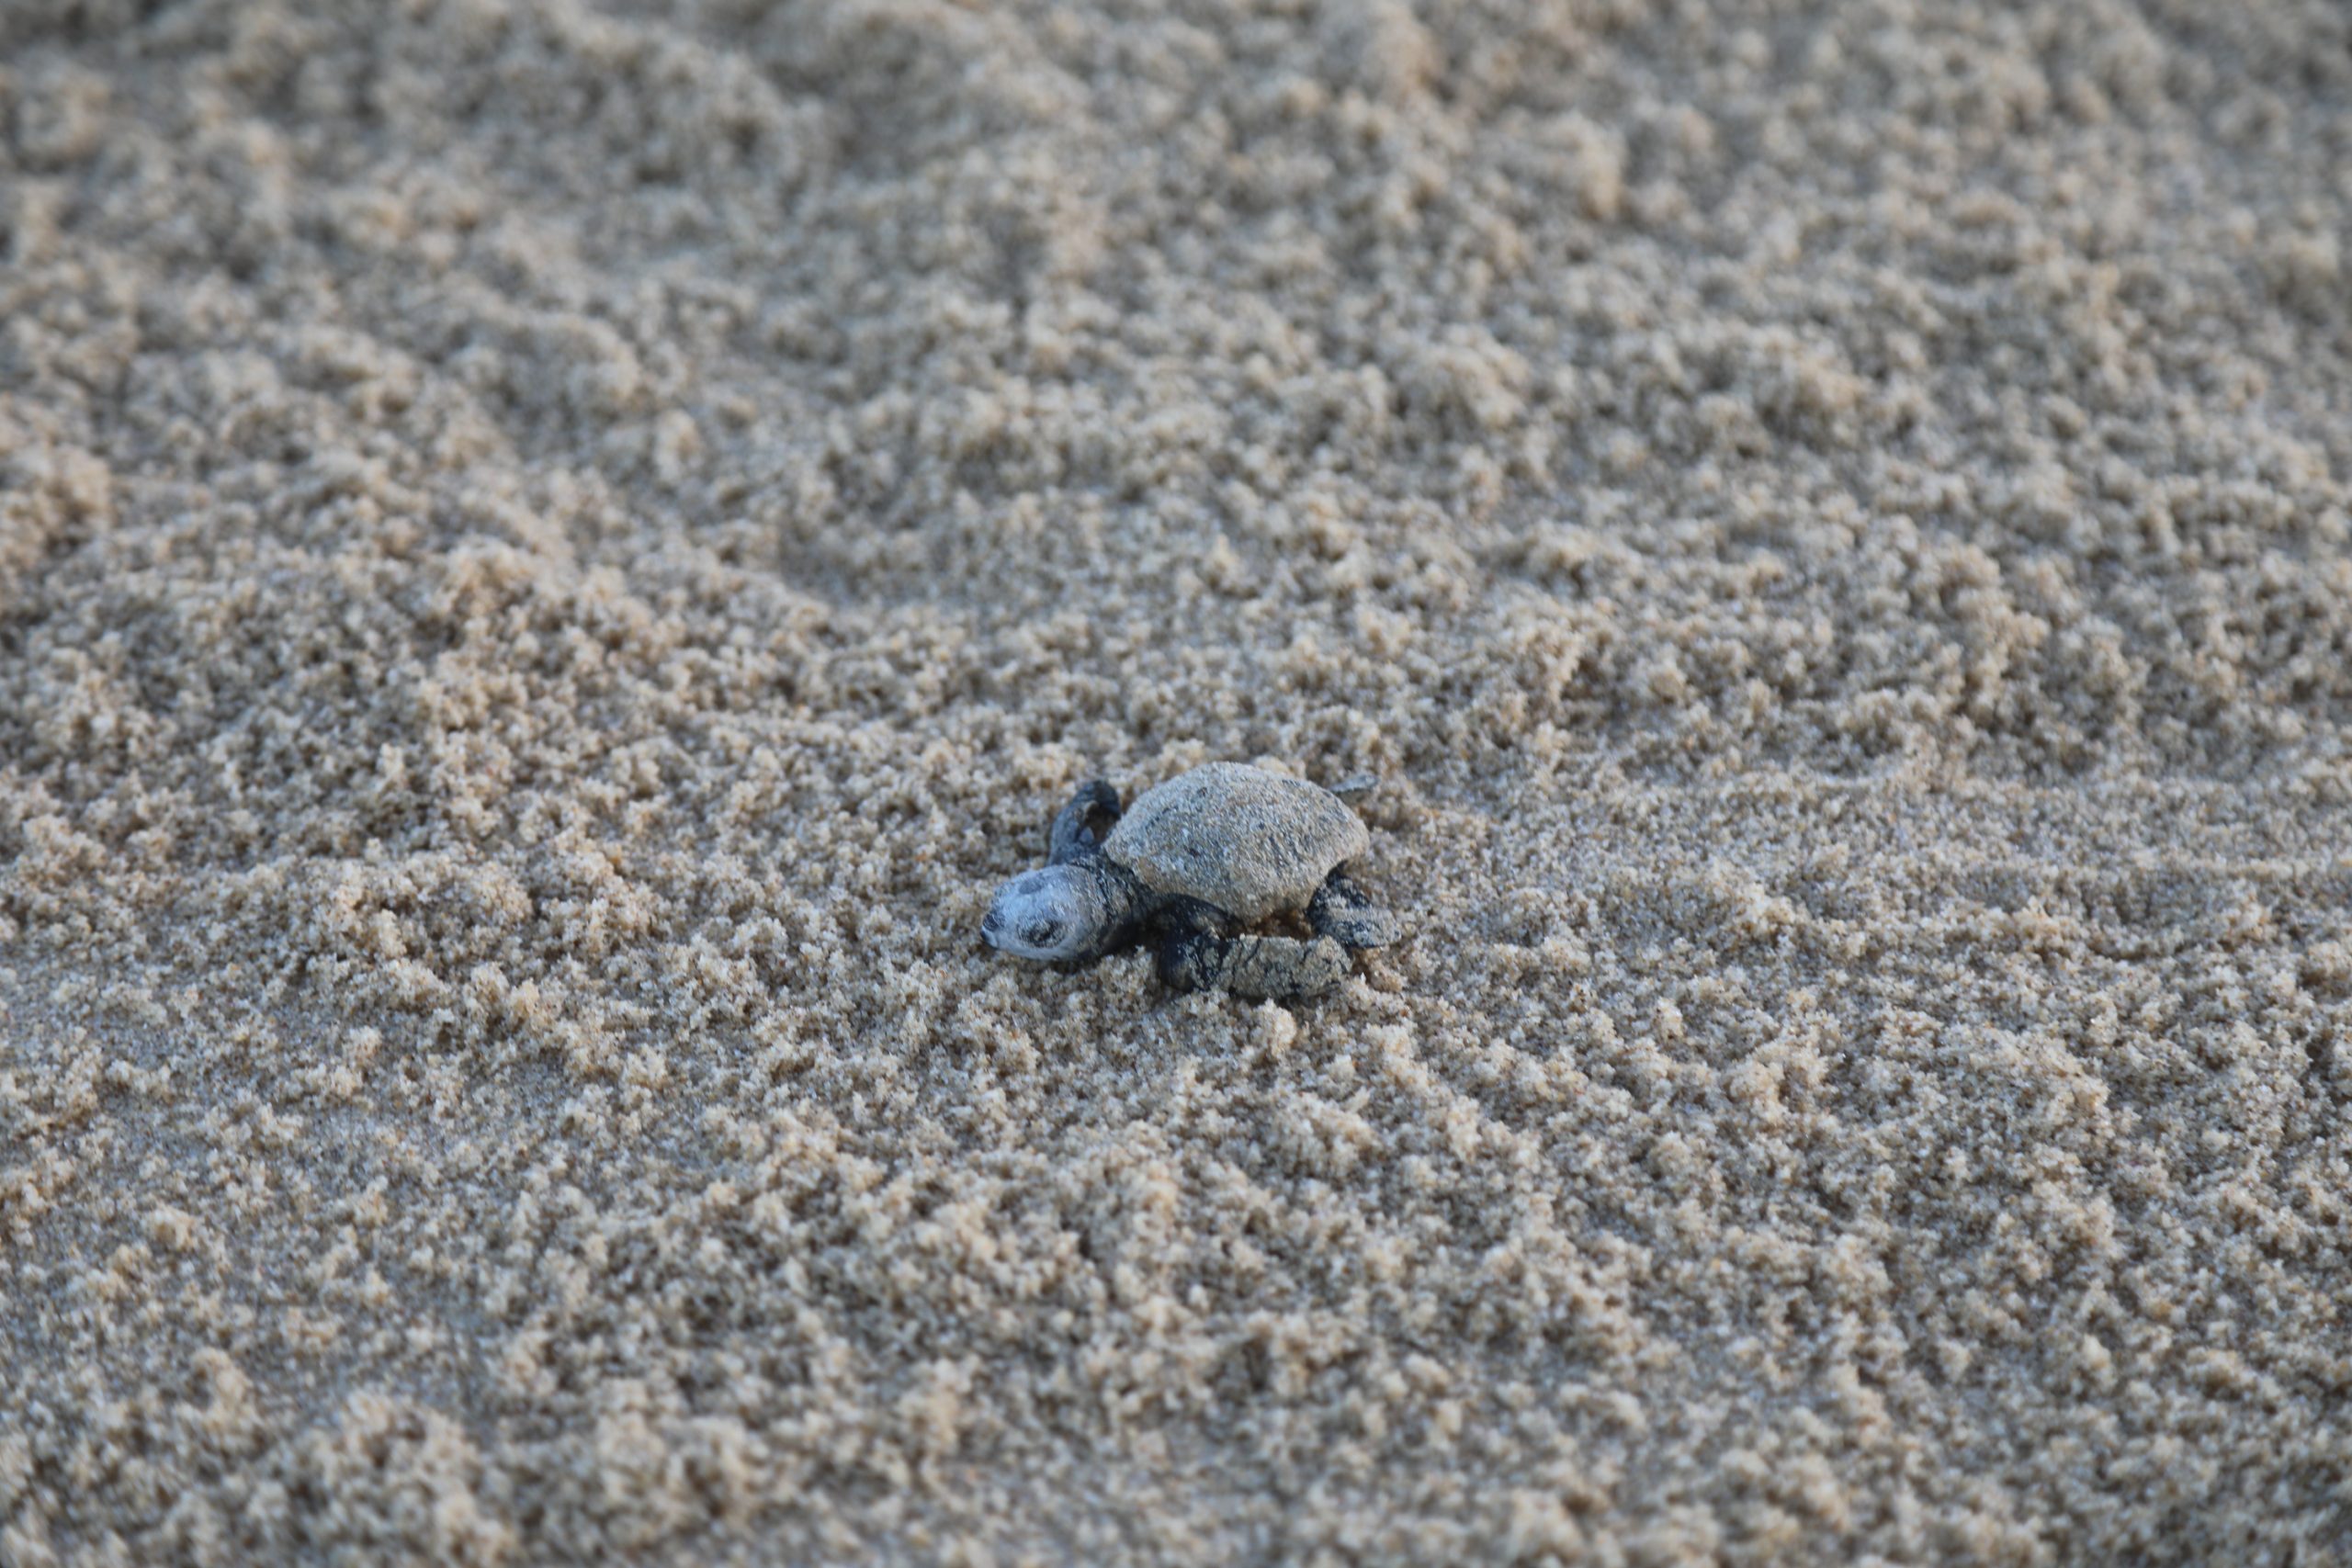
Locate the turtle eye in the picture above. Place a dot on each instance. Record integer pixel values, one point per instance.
(1042, 934)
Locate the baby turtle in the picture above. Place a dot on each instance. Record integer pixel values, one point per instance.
(1188, 865)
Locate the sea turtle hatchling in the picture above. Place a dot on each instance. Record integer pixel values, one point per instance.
(1188, 865)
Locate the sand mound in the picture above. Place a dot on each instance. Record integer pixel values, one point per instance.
(551, 556)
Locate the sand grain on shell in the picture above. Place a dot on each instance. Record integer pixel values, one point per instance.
(550, 556)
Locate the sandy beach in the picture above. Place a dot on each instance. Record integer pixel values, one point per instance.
(553, 554)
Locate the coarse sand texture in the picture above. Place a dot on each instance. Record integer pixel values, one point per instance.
(554, 552)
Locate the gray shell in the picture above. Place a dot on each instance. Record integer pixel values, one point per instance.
(1248, 842)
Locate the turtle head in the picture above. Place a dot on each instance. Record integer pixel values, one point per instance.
(1058, 912)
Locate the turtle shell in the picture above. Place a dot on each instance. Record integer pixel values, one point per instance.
(1248, 842)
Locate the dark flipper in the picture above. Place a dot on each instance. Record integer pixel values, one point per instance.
(1340, 910)
(1070, 834)
(1263, 968)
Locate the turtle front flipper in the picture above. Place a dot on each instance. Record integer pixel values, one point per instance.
(1340, 910)
(1260, 968)
(1070, 836)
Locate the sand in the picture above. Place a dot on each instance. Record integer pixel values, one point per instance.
(551, 556)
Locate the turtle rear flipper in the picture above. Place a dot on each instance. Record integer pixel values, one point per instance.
(1341, 911)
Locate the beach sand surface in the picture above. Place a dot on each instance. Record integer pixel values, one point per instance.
(552, 555)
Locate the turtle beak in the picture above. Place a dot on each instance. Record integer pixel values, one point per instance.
(989, 929)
